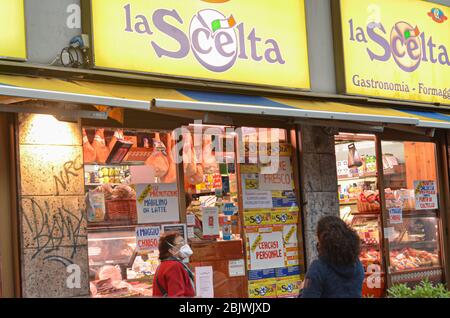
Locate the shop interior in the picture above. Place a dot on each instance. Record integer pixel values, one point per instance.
(214, 207)
(406, 206)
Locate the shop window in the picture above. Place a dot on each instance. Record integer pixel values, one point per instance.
(118, 164)
(241, 202)
(411, 191)
(360, 203)
(408, 219)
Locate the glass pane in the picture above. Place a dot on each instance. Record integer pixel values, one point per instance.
(410, 175)
(360, 204)
(411, 191)
(415, 244)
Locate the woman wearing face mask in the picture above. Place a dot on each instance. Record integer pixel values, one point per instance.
(173, 278)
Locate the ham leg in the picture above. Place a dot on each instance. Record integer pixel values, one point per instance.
(89, 153)
(171, 176)
(158, 158)
(209, 160)
(99, 145)
(193, 171)
(118, 135)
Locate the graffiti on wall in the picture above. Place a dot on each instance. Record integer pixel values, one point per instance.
(52, 229)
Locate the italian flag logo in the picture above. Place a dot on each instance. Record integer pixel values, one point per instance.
(412, 33)
(223, 24)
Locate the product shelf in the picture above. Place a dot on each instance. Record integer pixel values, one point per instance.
(108, 225)
(122, 164)
(373, 214)
(351, 202)
(360, 177)
(100, 184)
(416, 244)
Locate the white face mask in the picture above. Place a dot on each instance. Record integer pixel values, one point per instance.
(185, 251)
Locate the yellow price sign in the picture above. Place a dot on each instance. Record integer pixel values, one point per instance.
(144, 193)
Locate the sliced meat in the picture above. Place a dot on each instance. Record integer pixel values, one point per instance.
(89, 153)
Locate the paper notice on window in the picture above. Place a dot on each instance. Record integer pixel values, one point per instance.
(280, 179)
(389, 233)
(204, 284)
(395, 216)
(210, 222)
(425, 193)
(236, 268)
(258, 200)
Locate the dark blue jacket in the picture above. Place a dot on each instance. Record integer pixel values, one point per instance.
(325, 280)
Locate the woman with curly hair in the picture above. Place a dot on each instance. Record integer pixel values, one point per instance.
(338, 272)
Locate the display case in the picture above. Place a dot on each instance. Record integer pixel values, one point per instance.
(115, 269)
(412, 211)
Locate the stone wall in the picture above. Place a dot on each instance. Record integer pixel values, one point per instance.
(51, 195)
(318, 182)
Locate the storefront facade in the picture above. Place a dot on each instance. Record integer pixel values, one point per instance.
(81, 227)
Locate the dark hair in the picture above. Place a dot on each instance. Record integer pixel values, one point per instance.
(338, 243)
(165, 241)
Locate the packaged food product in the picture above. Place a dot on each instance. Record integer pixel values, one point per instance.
(95, 206)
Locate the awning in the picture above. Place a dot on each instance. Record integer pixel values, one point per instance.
(302, 109)
(142, 97)
(71, 91)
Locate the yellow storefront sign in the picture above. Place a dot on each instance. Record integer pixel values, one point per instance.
(12, 26)
(397, 49)
(251, 41)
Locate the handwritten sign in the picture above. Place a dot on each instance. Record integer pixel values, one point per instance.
(157, 203)
(395, 216)
(281, 180)
(267, 250)
(147, 238)
(425, 193)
